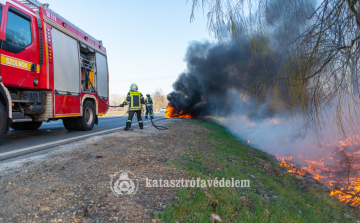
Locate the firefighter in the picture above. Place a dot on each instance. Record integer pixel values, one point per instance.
(135, 99)
(148, 104)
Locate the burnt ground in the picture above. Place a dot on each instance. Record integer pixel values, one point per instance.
(72, 182)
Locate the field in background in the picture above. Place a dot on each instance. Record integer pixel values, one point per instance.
(120, 113)
(114, 113)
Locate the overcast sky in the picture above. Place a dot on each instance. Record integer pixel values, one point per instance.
(145, 40)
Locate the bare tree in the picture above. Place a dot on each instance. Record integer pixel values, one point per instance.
(116, 100)
(322, 61)
(159, 100)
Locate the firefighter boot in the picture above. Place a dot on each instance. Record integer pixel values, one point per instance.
(146, 117)
(152, 117)
(128, 125)
(141, 125)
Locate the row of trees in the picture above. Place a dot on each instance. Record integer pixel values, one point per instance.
(116, 100)
(158, 97)
(159, 100)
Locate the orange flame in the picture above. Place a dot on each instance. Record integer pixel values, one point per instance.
(290, 166)
(170, 113)
(346, 187)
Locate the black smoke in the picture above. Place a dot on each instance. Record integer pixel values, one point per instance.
(222, 77)
(217, 76)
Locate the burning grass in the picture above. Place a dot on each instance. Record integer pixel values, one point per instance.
(170, 113)
(274, 196)
(290, 166)
(341, 171)
(335, 164)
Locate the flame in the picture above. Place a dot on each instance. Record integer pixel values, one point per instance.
(331, 170)
(170, 113)
(343, 177)
(284, 161)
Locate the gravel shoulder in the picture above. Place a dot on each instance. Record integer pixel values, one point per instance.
(72, 182)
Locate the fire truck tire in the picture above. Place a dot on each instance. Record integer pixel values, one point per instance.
(69, 124)
(87, 121)
(29, 125)
(3, 120)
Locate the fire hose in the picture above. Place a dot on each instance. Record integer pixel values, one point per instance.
(151, 118)
(159, 127)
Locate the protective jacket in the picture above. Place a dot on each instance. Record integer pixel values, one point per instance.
(135, 99)
(149, 110)
(148, 101)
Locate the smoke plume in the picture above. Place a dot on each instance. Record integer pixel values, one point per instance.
(218, 82)
(219, 79)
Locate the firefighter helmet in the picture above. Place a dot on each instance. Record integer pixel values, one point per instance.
(133, 87)
(148, 95)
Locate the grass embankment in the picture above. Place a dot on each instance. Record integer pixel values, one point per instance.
(274, 195)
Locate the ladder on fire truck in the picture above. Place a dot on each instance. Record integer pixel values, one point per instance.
(34, 4)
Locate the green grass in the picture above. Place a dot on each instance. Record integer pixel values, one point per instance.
(227, 157)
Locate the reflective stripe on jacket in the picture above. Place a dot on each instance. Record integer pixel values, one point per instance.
(148, 101)
(136, 99)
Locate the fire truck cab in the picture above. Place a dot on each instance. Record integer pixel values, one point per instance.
(50, 69)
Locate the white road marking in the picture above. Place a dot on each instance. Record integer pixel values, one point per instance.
(59, 141)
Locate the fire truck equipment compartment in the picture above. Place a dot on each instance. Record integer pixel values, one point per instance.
(66, 62)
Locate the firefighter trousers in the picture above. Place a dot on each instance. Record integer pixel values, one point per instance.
(130, 117)
(149, 111)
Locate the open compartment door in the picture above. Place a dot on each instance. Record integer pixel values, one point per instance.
(102, 75)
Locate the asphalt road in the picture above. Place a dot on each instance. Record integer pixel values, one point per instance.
(53, 133)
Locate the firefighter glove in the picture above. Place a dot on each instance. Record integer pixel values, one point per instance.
(122, 105)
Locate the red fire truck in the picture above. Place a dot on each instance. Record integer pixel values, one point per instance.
(50, 69)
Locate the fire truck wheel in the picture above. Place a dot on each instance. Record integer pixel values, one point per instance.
(87, 121)
(29, 125)
(2, 120)
(69, 124)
